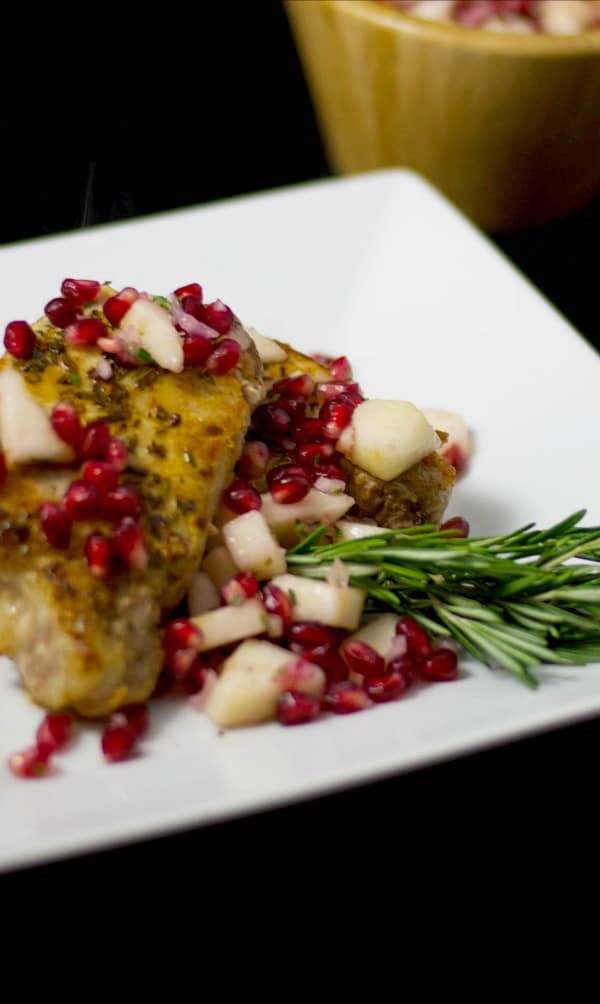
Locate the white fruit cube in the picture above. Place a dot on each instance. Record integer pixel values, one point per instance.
(26, 431)
(455, 428)
(313, 600)
(354, 530)
(268, 350)
(316, 507)
(158, 335)
(253, 547)
(385, 438)
(379, 634)
(229, 624)
(251, 680)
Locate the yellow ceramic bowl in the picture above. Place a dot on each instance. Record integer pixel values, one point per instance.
(508, 126)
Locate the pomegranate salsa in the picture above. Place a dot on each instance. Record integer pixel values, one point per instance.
(523, 17)
(255, 639)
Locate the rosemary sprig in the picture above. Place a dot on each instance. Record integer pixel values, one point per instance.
(516, 601)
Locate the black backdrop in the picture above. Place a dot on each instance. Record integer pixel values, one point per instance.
(106, 115)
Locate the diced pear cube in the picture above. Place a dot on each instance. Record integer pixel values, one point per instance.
(354, 530)
(316, 507)
(379, 634)
(253, 547)
(457, 432)
(25, 429)
(313, 600)
(385, 438)
(158, 335)
(251, 680)
(229, 624)
(268, 350)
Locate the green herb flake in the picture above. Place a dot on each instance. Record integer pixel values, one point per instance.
(74, 378)
(162, 302)
(293, 597)
(144, 356)
(190, 458)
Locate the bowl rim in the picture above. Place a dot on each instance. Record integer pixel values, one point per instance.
(443, 34)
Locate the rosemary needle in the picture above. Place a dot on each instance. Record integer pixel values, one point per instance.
(516, 601)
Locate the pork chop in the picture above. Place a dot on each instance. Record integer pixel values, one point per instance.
(83, 639)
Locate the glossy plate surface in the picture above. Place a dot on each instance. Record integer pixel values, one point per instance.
(381, 268)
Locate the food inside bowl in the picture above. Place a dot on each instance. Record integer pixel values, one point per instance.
(551, 17)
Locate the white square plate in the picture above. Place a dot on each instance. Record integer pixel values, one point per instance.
(379, 267)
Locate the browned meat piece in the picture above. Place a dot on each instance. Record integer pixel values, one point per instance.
(419, 495)
(94, 644)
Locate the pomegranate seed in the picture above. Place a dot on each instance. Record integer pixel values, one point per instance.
(311, 455)
(181, 641)
(194, 680)
(218, 316)
(192, 289)
(340, 369)
(98, 551)
(336, 415)
(54, 732)
(254, 459)
(307, 430)
(193, 305)
(309, 634)
(117, 306)
(80, 501)
(405, 664)
(130, 545)
(294, 404)
(66, 424)
(386, 687)
(56, 525)
(120, 502)
(224, 357)
(345, 698)
(294, 708)
(287, 492)
(19, 339)
(60, 312)
(3, 472)
(116, 453)
(419, 645)
(457, 523)
(272, 419)
(363, 659)
(118, 738)
(242, 586)
(181, 633)
(329, 659)
(332, 388)
(196, 350)
(95, 441)
(301, 385)
(441, 666)
(101, 474)
(31, 762)
(457, 457)
(330, 471)
(80, 291)
(241, 497)
(288, 483)
(85, 331)
(276, 601)
(137, 717)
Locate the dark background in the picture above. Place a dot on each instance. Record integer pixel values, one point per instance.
(147, 114)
